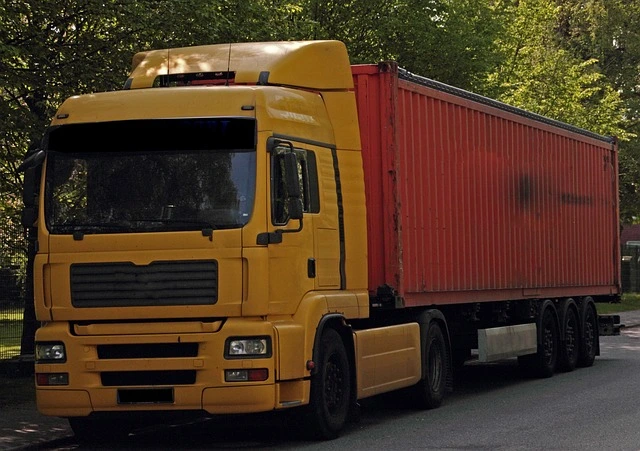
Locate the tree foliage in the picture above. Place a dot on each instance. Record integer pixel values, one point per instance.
(452, 41)
(574, 60)
(608, 31)
(540, 75)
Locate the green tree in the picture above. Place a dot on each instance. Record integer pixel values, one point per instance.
(452, 41)
(449, 40)
(609, 32)
(541, 76)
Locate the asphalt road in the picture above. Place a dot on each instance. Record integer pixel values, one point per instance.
(493, 408)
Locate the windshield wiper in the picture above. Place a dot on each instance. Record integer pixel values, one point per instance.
(206, 227)
(91, 227)
(79, 230)
(195, 222)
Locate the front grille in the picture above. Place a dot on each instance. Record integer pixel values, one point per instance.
(147, 351)
(191, 282)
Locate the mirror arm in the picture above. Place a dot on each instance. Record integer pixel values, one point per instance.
(275, 237)
(291, 230)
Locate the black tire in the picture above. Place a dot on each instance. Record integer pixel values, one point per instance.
(570, 349)
(330, 396)
(89, 431)
(431, 389)
(543, 363)
(590, 337)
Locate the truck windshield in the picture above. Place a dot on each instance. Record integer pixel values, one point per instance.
(150, 175)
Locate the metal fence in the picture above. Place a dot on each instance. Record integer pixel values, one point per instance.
(631, 269)
(13, 263)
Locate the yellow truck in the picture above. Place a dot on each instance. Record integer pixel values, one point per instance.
(262, 226)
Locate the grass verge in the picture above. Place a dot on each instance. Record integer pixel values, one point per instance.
(10, 337)
(10, 332)
(8, 314)
(629, 301)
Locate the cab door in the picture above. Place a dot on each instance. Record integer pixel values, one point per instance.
(328, 245)
(292, 268)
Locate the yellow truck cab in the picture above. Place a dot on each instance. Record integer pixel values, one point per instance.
(200, 232)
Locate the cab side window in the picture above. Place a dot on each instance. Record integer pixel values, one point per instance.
(307, 177)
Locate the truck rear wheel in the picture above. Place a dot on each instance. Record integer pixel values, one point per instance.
(330, 389)
(543, 363)
(431, 389)
(570, 349)
(590, 337)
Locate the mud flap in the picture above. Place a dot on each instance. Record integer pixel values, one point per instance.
(609, 324)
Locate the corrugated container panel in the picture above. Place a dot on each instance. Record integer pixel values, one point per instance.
(468, 201)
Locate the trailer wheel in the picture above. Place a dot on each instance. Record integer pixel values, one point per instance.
(543, 363)
(590, 337)
(330, 389)
(431, 388)
(93, 432)
(570, 349)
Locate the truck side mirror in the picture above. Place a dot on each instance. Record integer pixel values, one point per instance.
(29, 193)
(292, 178)
(295, 208)
(29, 187)
(29, 216)
(31, 166)
(292, 181)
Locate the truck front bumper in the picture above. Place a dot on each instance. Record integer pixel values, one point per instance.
(151, 373)
(63, 402)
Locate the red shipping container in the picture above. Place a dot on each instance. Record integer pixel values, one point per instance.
(471, 200)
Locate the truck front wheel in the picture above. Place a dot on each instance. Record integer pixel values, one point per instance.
(431, 388)
(330, 389)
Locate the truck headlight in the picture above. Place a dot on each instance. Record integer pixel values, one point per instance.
(53, 352)
(251, 347)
